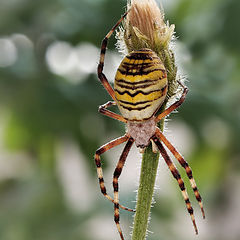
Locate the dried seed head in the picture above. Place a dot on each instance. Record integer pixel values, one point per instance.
(145, 26)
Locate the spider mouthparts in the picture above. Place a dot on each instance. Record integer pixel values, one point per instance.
(141, 149)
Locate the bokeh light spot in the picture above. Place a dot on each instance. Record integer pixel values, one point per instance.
(87, 57)
(8, 52)
(60, 57)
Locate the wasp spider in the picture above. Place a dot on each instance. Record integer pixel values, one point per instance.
(140, 88)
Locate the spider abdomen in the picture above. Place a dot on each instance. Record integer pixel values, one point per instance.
(140, 85)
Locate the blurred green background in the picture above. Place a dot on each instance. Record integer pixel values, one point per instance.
(50, 127)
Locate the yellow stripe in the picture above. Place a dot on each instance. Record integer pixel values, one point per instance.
(145, 87)
(139, 97)
(158, 74)
(139, 61)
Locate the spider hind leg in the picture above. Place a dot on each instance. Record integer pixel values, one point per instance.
(185, 165)
(98, 153)
(177, 176)
(116, 175)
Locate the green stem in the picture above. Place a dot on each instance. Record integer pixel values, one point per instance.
(145, 192)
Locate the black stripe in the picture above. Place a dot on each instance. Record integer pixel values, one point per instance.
(184, 163)
(100, 151)
(100, 68)
(164, 88)
(136, 83)
(132, 64)
(190, 210)
(103, 51)
(103, 191)
(141, 56)
(181, 185)
(195, 189)
(199, 198)
(116, 217)
(189, 173)
(138, 109)
(136, 65)
(137, 103)
(117, 172)
(134, 87)
(104, 45)
(98, 164)
(137, 92)
(115, 186)
(116, 205)
(140, 73)
(175, 173)
(101, 180)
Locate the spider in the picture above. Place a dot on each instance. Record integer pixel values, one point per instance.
(140, 88)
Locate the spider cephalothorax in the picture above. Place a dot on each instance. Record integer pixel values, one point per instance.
(140, 88)
(142, 131)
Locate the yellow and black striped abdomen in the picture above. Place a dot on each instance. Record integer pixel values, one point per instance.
(140, 85)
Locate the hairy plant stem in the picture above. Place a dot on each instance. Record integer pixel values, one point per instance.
(145, 191)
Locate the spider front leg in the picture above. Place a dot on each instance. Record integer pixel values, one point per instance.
(185, 165)
(99, 152)
(177, 176)
(116, 175)
(174, 105)
(101, 75)
(103, 109)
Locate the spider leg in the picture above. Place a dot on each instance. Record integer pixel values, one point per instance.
(174, 105)
(185, 165)
(116, 175)
(103, 109)
(101, 75)
(99, 152)
(176, 175)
